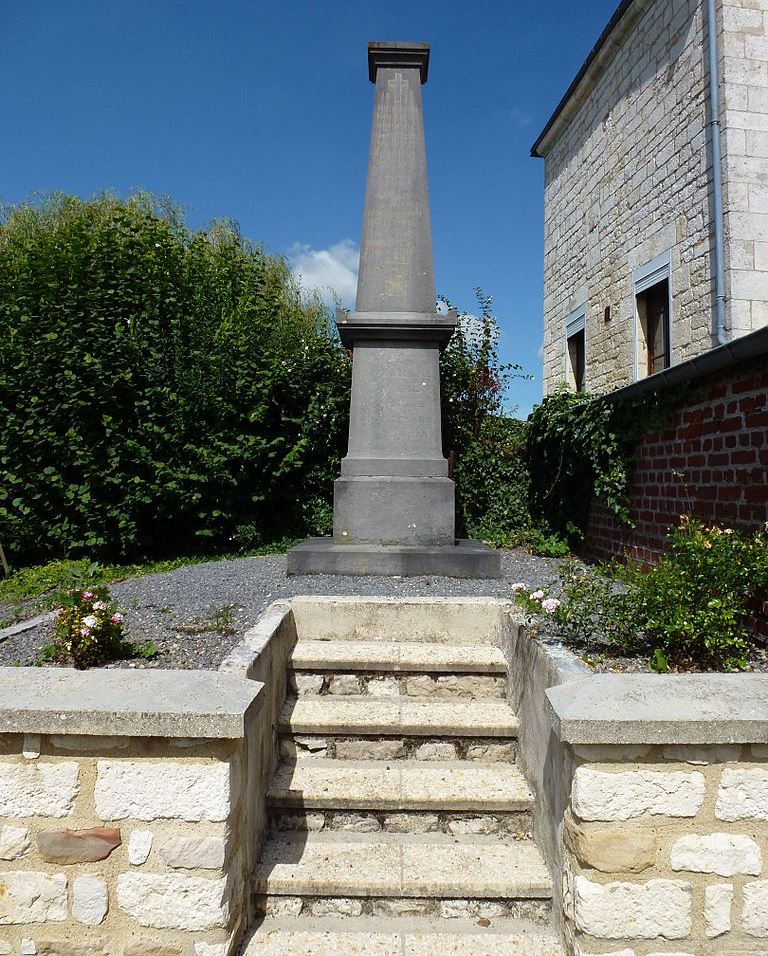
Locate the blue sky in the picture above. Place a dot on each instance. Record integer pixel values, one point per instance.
(261, 111)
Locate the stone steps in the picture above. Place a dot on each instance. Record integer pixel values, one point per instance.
(399, 822)
(397, 669)
(423, 866)
(294, 747)
(456, 797)
(377, 785)
(398, 657)
(514, 825)
(421, 685)
(318, 937)
(370, 717)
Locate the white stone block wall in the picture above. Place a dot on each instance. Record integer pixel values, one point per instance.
(665, 850)
(744, 46)
(628, 178)
(122, 846)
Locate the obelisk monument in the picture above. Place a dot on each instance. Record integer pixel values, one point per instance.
(394, 510)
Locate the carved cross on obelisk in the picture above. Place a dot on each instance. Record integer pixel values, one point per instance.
(394, 509)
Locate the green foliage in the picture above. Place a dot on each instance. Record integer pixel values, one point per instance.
(89, 631)
(690, 610)
(167, 392)
(160, 389)
(31, 582)
(487, 446)
(581, 447)
(540, 542)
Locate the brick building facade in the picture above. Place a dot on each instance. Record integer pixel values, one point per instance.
(630, 272)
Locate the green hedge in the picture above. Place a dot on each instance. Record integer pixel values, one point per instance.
(162, 391)
(166, 392)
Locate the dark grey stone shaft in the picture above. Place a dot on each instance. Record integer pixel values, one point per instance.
(396, 272)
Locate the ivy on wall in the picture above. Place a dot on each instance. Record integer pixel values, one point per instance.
(582, 447)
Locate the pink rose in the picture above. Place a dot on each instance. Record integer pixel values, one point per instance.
(117, 618)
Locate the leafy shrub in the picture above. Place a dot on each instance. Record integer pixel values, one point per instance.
(159, 389)
(690, 610)
(165, 392)
(89, 631)
(487, 446)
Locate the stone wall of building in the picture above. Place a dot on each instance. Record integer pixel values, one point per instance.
(627, 179)
(666, 850)
(122, 846)
(744, 45)
(712, 461)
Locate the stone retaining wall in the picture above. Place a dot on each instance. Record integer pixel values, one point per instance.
(667, 844)
(132, 802)
(121, 845)
(664, 835)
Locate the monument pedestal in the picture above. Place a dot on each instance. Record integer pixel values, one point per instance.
(462, 559)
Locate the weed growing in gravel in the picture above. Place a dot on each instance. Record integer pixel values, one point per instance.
(219, 620)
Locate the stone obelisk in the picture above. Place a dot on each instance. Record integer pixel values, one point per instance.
(394, 507)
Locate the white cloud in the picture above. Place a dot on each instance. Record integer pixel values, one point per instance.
(332, 271)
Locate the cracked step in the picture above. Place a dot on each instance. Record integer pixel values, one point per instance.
(366, 716)
(273, 938)
(400, 785)
(398, 657)
(403, 866)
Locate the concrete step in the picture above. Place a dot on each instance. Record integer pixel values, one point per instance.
(370, 937)
(427, 866)
(340, 747)
(366, 716)
(400, 785)
(398, 657)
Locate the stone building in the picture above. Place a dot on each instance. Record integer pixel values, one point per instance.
(656, 258)
(629, 263)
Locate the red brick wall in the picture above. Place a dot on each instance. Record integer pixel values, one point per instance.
(712, 462)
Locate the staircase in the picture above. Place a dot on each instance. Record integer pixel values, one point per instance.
(400, 823)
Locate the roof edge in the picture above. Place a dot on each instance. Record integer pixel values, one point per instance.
(617, 17)
(744, 347)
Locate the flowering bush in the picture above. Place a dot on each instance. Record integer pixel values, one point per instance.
(690, 610)
(88, 630)
(535, 602)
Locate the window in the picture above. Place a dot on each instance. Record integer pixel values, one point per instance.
(653, 313)
(575, 349)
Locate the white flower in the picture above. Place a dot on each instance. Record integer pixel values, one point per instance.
(517, 588)
(536, 595)
(90, 621)
(99, 606)
(550, 605)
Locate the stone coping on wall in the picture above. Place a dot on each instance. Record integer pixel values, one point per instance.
(132, 703)
(661, 709)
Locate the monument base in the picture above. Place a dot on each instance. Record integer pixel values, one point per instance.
(464, 559)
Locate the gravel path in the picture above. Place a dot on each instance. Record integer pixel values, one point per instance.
(195, 615)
